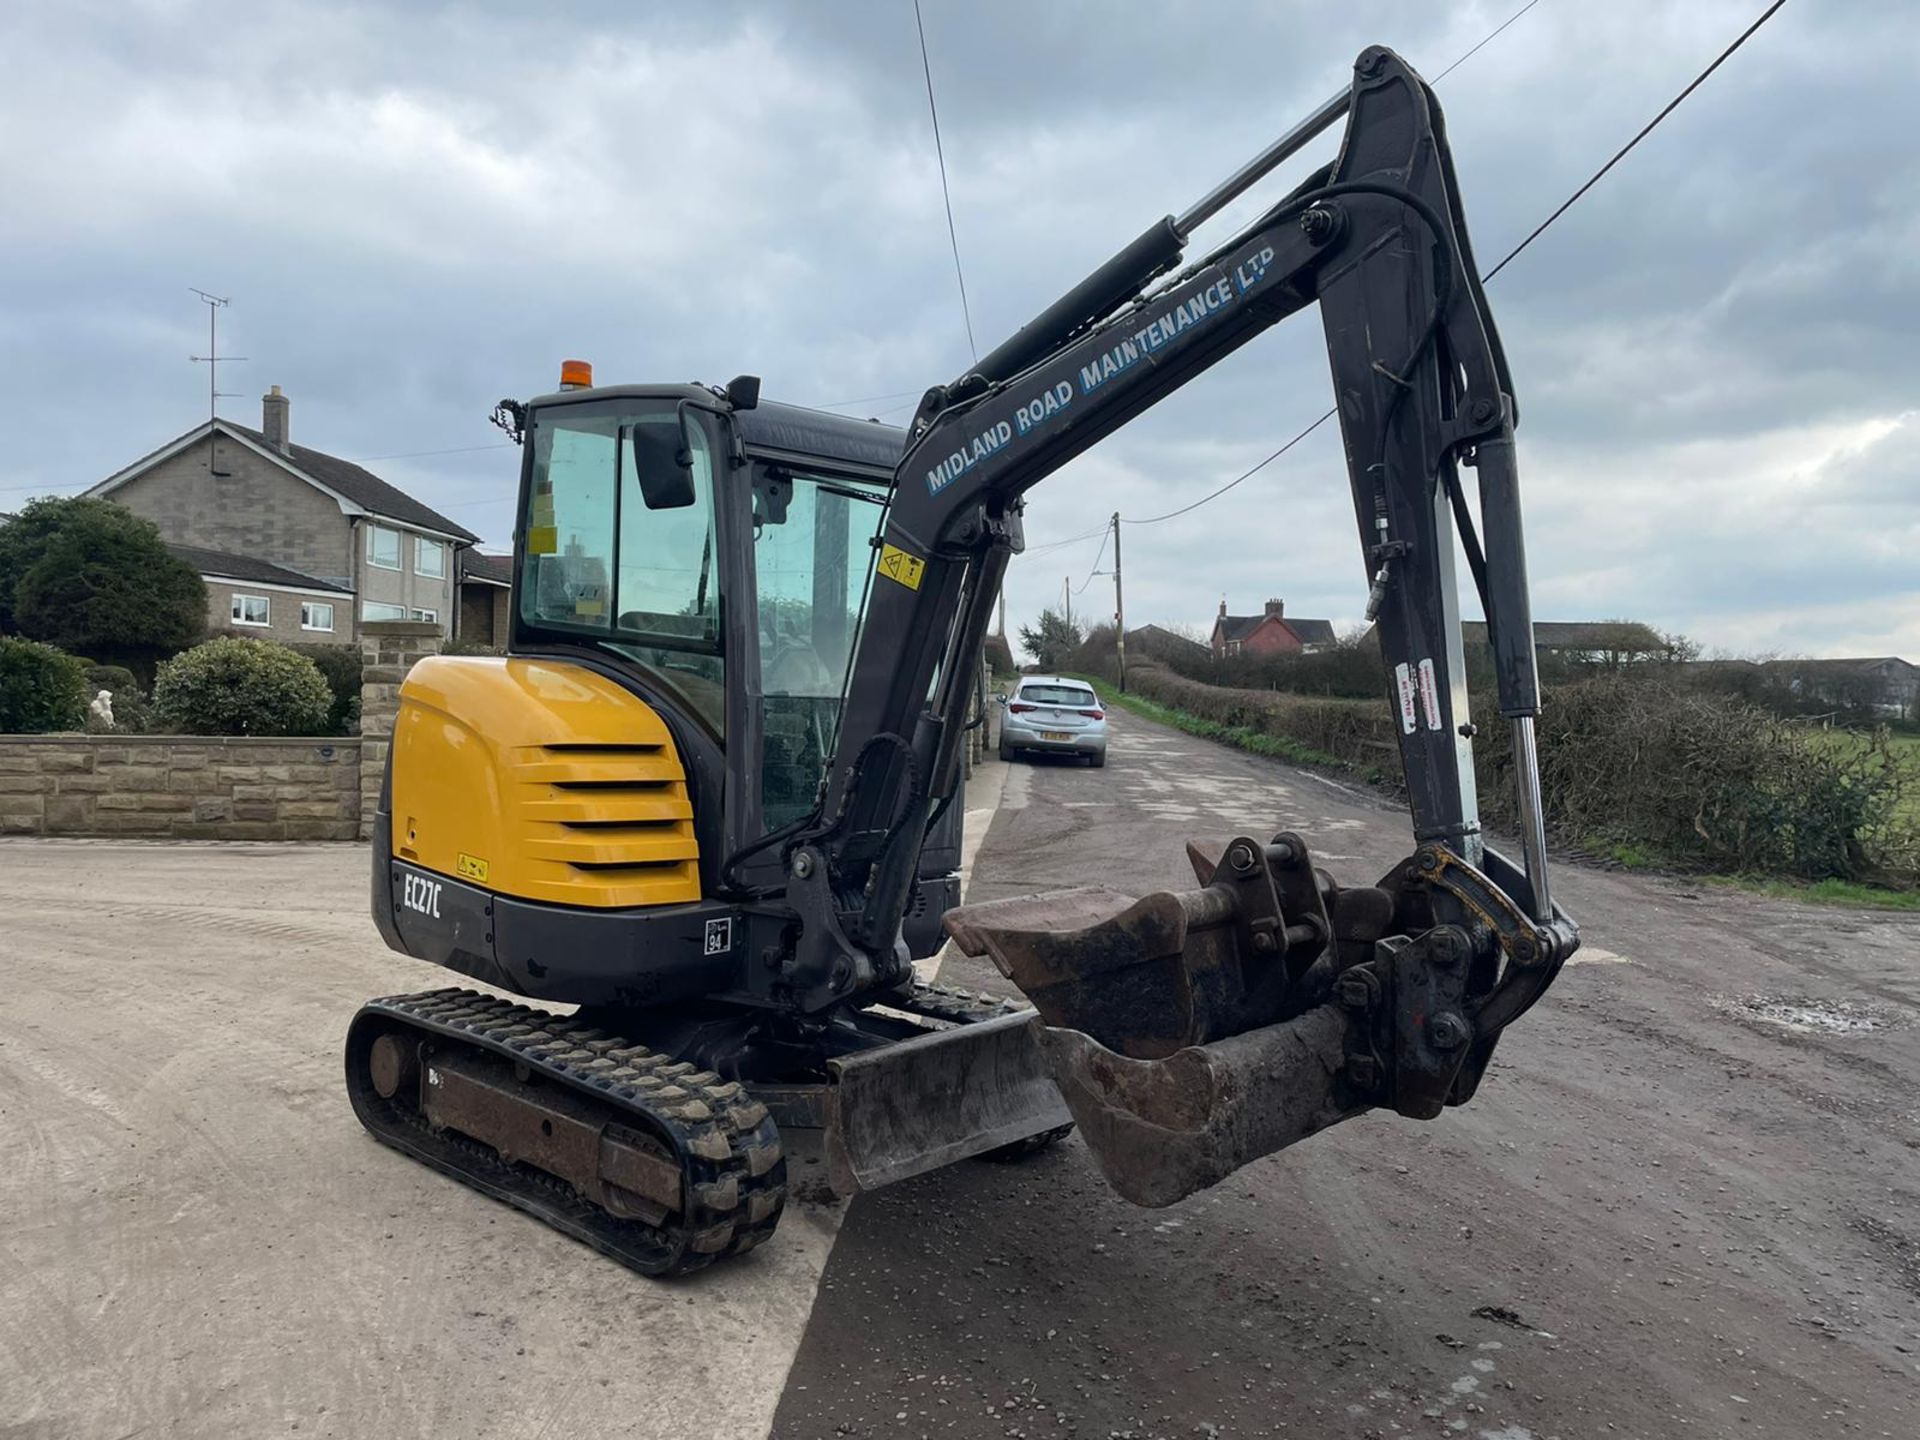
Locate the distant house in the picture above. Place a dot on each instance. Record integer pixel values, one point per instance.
(1268, 633)
(1884, 685)
(226, 491)
(1591, 642)
(1156, 642)
(485, 584)
(248, 594)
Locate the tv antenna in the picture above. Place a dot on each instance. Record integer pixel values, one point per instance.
(213, 359)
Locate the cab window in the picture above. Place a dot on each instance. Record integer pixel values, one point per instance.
(620, 547)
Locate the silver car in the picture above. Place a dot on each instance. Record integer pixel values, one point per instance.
(1051, 714)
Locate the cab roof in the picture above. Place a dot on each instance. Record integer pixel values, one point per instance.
(772, 431)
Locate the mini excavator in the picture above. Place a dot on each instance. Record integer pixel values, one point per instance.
(709, 795)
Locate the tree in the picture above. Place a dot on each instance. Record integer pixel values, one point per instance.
(1052, 641)
(96, 580)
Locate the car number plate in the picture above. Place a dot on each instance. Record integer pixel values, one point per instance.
(1055, 735)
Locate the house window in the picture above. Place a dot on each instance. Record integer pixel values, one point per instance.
(250, 610)
(432, 617)
(383, 548)
(315, 616)
(374, 610)
(429, 557)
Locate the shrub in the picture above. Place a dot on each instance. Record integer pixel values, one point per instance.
(41, 688)
(1710, 782)
(340, 666)
(242, 687)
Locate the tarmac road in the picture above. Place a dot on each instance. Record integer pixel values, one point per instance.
(1666, 1214)
(1687, 1201)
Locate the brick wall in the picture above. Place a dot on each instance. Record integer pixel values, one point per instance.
(389, 649)
(180, 787)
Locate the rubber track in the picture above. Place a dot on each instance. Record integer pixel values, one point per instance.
(727, 1144)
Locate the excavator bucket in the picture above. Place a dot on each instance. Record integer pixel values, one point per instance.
(1191, 1034)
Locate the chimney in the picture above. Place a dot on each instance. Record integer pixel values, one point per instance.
(273, 420)
(1223, 609)
(1276, 609)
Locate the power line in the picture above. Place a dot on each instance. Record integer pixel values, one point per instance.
(1540, 229)
(865, 400)
(417, 454)
(966, 310)
(1646, 130)
(1099, 555)
(1476, 49)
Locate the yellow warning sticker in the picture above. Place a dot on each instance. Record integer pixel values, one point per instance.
(543, 540)
(897, 564)
(542, 509)
(472, 867)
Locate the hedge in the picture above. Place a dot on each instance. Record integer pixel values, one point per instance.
(41, 688)
(1630, 764)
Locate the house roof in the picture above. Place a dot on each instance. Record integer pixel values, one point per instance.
(245, 567)
(361, 486)
(487, 569)
(355, 488)
(1157, 637)
(1579, 635)
(1851, 666)
(1311, 632)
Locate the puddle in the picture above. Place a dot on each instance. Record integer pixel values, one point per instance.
(1806, 1016)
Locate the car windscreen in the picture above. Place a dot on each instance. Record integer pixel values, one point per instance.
(1071, 696)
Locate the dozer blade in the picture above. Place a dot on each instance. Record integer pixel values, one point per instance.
(907, 1108)
(1162, 1129)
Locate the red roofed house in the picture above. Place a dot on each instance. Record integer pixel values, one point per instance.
(1269, 633)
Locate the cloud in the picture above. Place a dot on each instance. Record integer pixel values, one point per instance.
(418, 209)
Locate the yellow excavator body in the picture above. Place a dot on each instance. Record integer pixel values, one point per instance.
(541, 780)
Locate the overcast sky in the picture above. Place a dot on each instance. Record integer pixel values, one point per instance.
(418, 209)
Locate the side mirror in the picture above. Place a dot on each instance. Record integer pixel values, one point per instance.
(743, 392)
(663, 464)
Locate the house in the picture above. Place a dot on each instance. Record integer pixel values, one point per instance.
(257, 596)
(1587, 642)
(1884, 685)
(485, 586)
(227, 491)
(1156, 642)
(1268, 633)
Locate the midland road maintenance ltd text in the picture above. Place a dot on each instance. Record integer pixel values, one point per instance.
(1199, 307)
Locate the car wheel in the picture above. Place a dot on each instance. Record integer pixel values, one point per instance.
(1006, 750)
(1098, 759)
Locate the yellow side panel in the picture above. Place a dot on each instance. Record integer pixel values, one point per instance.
(543, 781)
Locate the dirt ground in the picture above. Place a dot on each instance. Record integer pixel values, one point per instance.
(1687, 1201)
(199, 1239)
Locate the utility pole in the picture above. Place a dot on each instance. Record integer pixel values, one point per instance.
(1119, 610)
(213, 359)
(1066, 591)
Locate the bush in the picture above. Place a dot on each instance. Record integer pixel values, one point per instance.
(242, 687)
(1710, 782)
(340, 666)
(41, 688)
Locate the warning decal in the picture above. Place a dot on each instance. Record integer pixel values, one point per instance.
(1403, 679)
(1429, 695)
(471, 867)
(896, 564)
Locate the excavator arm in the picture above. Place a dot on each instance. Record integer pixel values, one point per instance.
(1197, 1007)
